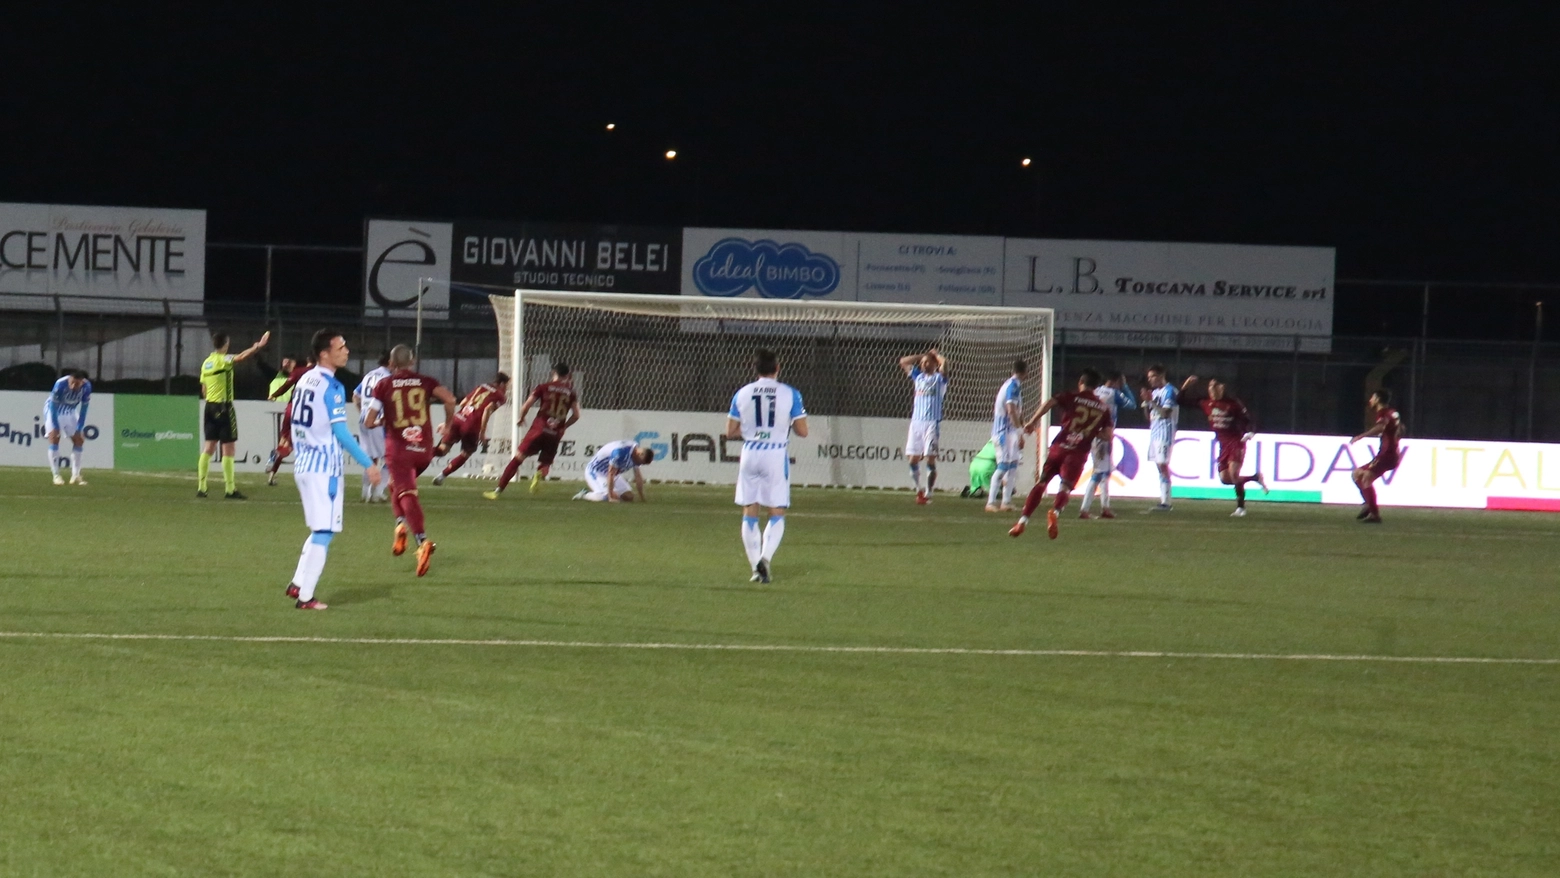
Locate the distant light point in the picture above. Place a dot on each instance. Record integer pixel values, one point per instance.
(1025, 162)
(671, 154)
(611, 126)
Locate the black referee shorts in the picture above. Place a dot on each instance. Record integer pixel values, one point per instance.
(221, 422)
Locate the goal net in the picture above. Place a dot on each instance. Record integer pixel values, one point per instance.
(662, 370)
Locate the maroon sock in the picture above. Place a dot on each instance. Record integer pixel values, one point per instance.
(509, 472)
(1240, 492)
(1061, 500)
(1036, 494)
(456, 463)
(411, 510)
(1369, 493)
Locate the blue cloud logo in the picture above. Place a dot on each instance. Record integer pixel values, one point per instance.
(777, 271)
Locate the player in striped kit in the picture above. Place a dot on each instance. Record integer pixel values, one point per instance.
(1103, 457)
(1163, 402)
(319, 425)
(65, 414)
(762, 415)
(373, 437)
(606, 476)
(931, 385)
(1007, 434)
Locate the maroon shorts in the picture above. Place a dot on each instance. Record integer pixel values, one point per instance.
(543, 445)
(404, 467)
(1380, 466)
(465, 434)
(1232, 451)
(1065, 462)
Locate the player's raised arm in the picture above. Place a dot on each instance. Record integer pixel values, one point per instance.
(252, 349)
(909, 363)
(1187, 384)
(1375, 430)
(942, 361)
(1041, 412)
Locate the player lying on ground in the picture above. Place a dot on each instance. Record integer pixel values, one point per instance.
(319, 435)
(469, 426)
(931, 385)
(1007, 434)
(65, 414)
(1162, 400)
(1085, 417)
(557, 408)
(606, 476)
(1102, 457)
(283, 390)
(1389, 426)
(401, 403)
(762, 415)
(1230, 422)
(373, 437)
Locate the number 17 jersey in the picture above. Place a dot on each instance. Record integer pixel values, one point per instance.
(765, 409)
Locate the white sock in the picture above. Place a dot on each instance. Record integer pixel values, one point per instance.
(596, 496)
(54, 460)
(75, 463)
(994, 489)
(1164, 489)
(1009, 479)
(1088, 492)
(772, 534)
(1104, 492)
(915, 474)
(311, 563)
(751, 541)
(367, 487)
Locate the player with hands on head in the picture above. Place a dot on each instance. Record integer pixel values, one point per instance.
(557, 409)
(763, 415)
(1085, 417)
(1389, 426)
(402, 401)
(927, 373)
(1230, 421)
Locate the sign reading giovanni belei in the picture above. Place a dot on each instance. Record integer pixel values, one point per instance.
(104, 252)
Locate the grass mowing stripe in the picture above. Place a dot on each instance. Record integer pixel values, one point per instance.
(783, 647)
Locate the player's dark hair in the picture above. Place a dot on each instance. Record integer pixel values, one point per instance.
(1020, 367)
(78, 373)
(322, 340)
(649, 455)
(766, 362)
(384, 357)
(1090, 378)
(500, 378)
(561, 369)
(219, 339)
(1384, 393)
(1157, 367)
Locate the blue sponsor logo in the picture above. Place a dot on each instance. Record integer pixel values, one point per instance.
(1127, 461)
(661, 449)
(777, 271)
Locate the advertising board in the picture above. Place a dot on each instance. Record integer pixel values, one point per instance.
(114, 255)
(24, 442)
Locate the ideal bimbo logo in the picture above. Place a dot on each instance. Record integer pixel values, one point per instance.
(775, 270)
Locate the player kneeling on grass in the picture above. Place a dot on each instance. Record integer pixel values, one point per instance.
(1389, 426)
(606, 476)
(1085, 417)
(1230, 422)
(762, 415)
(401, 406)
(558, 407)
(469, 426)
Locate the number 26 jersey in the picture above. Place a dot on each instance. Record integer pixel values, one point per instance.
(765, 409)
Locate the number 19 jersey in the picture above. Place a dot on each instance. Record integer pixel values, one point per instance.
(405, 398)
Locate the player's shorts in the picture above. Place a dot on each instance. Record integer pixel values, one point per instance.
(543, 445)
(1380, 466)
(68, 422)
(465, 434)
(1064, 462)
(1102, 457)
(373, 441)
(922, 441)
(221, 422)
(1232, 451)
(1009, 452)
(322, 500)
(1160, 444)
(597, 483)
(403, 468)
(764, 477)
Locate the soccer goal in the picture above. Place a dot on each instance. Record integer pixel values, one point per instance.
(663, 369)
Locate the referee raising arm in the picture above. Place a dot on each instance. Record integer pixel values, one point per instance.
(221, 423)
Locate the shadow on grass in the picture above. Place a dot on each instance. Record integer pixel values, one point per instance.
(350, 596)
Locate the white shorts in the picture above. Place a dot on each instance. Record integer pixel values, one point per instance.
(322, 500)
(764, 477)
(922, 441)
(1159, 447)
(373, 441)
(68, 422)
(597, 482)
(1101, 458)
(1009, 451)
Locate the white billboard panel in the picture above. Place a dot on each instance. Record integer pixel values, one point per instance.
(108, 253)
(24, 442)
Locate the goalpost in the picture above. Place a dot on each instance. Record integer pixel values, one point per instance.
(661, 369)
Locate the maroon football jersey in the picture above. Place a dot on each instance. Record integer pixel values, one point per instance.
(1391, 435)
(1227, 417)
(554, 401)
(405, 399)
(1084, 417)
(477, 404)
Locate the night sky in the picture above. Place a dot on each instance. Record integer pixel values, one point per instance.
(1419, 139)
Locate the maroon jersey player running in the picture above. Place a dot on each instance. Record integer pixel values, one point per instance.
(557, 408)
(1085, 417)
(469, 426)
(403, 412)
(1389, 426)
(1230, 421)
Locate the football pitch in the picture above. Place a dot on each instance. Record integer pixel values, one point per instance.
(584, 689)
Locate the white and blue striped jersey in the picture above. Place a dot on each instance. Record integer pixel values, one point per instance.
(318, 402)
(62, 400)
(1116, 398)
(365, 391)
(619, 454)
(1164, 413)
(766, 409)
(1012, 391)
(929, 391)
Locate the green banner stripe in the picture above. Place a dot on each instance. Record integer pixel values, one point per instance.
(1253, 493)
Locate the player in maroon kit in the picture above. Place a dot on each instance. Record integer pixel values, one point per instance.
(284, 445)
(1230, 421)
(557, 408)
(1085, 417)
(403, 411)
(469, 426)
(1389, 426)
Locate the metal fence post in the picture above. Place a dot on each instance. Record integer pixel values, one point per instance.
(1538, 333)
(167, 349)
(1294, 389)
(59, 336)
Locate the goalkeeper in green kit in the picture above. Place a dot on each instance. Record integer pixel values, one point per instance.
(982, 468)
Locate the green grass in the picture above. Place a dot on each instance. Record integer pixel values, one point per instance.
(190, 757)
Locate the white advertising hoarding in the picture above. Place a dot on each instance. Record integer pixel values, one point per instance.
(397, 255)
(108, 253)
(1194, 295)
(24, 442)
